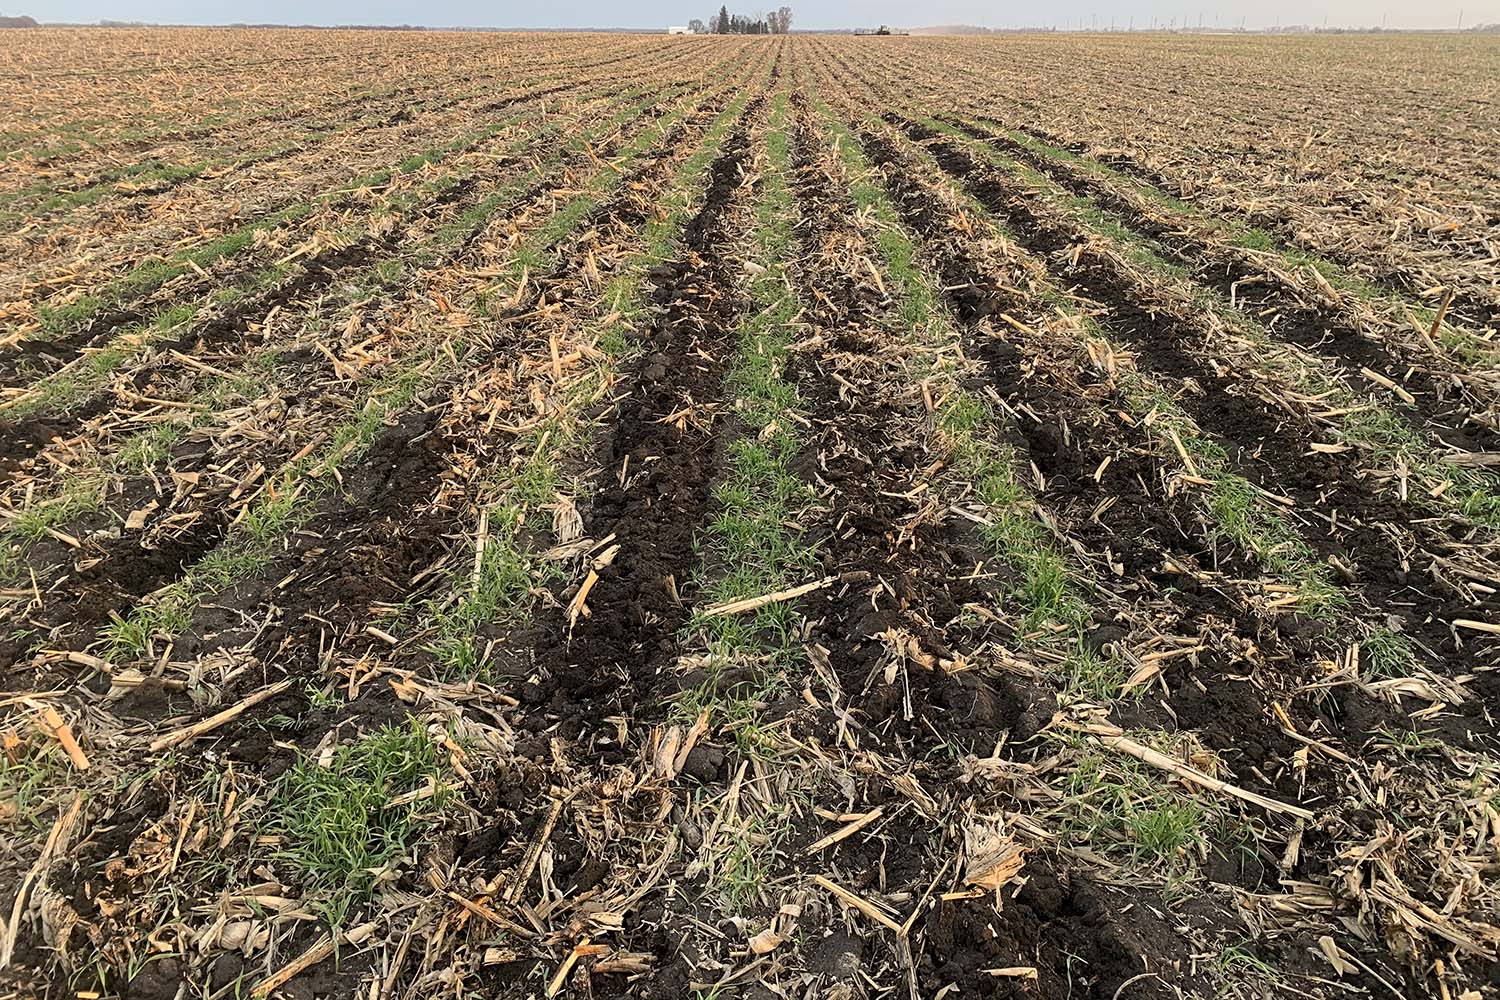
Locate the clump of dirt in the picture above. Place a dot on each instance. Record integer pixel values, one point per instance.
(658, 472)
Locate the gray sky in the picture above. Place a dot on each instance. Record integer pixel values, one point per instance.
(809, 14)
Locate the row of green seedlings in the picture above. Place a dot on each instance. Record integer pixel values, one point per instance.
(510, 571)
(81, 378)
(77, 382)
(337, 827)
(1112, 807)
(1356, 419)
(155, 171)
(1236, 511)
(147, 277)
(1421, 318)
(81, 488)
(299, 487)
(1053, 598)
(755, 544)
(1462, 344)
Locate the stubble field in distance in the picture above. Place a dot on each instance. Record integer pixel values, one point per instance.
(823, 517)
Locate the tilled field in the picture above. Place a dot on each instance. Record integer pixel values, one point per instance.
(524, 516)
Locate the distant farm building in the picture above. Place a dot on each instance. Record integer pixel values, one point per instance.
(678, 30)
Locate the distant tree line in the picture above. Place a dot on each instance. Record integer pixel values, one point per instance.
(778, 22)
(21, 21)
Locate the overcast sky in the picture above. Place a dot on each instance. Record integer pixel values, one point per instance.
(809, 14)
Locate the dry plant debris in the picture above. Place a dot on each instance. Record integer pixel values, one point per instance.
(539, 516)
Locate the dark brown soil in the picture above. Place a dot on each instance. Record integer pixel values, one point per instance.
(98, 592)
(1319, 328)
(1471, 310)
(1270, 451)
(1230, 715)
(907, 696)
(655, 483)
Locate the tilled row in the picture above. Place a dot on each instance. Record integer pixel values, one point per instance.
(1219, 722)
(532, 210)
(410, 463)
(904, 634)
(116, 268)
(57, 255)
(1309, 312)
(1273, 453)
(1439, 239)
(81, 182)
